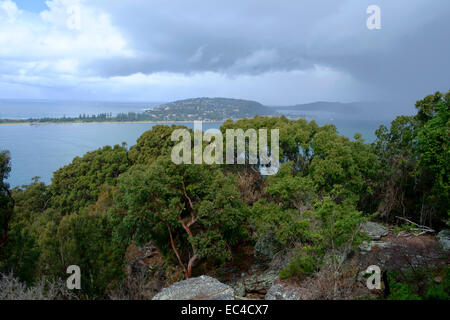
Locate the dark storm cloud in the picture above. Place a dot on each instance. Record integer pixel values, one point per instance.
(232, 36)
(408, 56)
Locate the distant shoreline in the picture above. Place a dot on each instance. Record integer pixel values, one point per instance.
(107, 122)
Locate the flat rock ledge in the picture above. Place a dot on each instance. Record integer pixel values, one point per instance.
(200, 288)
(375, 230)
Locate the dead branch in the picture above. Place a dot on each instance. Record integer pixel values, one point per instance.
(422, 229)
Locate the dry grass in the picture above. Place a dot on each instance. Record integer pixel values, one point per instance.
(12, 288)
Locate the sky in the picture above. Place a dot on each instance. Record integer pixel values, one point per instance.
(277, 52)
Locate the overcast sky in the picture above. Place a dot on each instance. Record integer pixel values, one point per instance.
(275, 52)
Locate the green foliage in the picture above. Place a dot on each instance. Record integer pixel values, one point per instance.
(286, 225)
(420, 284)
(402, 291)
(6, 200)
(154, 143)
(198, 206)
(305, 263)
(77, 185)
(313, 198)
(85, 239)
(21, 253)
(321, 223)
(334, 230)
(31, 200)
(338, 161)
(438, 292)
(434, 152)
(294, 191)
(339, 223)
(318, 153)
(414, 177)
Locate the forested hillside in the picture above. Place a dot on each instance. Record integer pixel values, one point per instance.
(135, 222)
(209, 109)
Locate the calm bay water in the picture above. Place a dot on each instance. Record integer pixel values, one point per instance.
(40, 150)
(24, 109)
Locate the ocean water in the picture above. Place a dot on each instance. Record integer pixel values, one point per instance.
(346, 125)
(24, 109)
(40, 150)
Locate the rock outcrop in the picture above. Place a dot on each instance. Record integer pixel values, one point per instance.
(200, 288)
(444, 239)
(257, 283)
(374, 230)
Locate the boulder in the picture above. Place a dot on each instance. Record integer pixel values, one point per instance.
(444, 239)
(200, 288)
(283, 292)
(374, 230)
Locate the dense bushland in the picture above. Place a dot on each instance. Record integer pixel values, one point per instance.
(198, 215)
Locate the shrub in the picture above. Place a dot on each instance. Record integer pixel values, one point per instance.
(305, 263)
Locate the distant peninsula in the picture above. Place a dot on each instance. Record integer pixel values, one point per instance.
(212, 109)
(202, 109)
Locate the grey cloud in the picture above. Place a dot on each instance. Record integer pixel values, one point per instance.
(409, 56)
(229, 34)
(267, 50)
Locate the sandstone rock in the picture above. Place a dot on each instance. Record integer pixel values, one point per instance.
(260, 282)
(238, 287)
(444, 239)
(374, 230)
(200, 288)
(255, 283)
(283, 292)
